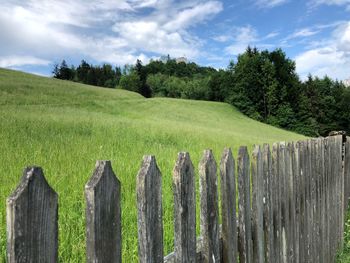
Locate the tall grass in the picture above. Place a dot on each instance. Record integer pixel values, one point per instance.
(65, 127)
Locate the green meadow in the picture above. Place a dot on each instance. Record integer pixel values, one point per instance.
(65, 127)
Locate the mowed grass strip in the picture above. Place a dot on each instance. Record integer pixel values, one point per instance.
(65, 127)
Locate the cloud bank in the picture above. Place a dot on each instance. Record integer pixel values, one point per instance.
(117, 32)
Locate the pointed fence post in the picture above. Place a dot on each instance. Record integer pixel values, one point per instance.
(209, 212)
(322, 212)
(328, 201)
(340, 189)
(150, 215)
(276, 197)
(284, 201)
(32, 230)
(257, 205)
(228, 207)
(184, 209)
(315, 200)
(103, 215)
(347, 174)
(296, 192)
(308, 211)
(268, 204)
(290, 184)
(244, 209)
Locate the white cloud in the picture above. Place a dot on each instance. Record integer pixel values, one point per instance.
(222, 38)
(150, 36)
(332, 59)
(330, 2)
(305, 32)
(271, 35)
(194, 15)
(17, 61)
(270, 3)
(114, 31)
(316, 3)
(243, 37)
(302, 33)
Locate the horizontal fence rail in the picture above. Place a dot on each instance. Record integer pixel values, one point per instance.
(285, 203)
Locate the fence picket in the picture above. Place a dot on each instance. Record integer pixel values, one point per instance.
(209, 212)
(244, 210)
(347, 173)
(276, 197)
(150, 213)
(296, 191)
(228, 207)
(340, 189)
(268, 204)
(313, 174)
(184, 209)
(302, 194)
(290, 209)
(257, 205)
(308, 210)
(284, 196)
(327, 171)
(103, 215)
(32, 230)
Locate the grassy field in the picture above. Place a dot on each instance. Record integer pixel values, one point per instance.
(65, 127)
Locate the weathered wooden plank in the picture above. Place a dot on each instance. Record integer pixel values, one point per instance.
(320, 200)
(347, 173)
(150, 215)
(284, 199)
(302, 202)
(333, 195)
(323, 211)
(332, 200)
(327, 185)
(290, 210)
(316, 202)
(244, 209)
(184, 209)
(276, 197)
(336, 192)
(296, 191)
(228, 207)
(103, 215)
(170, 258)
(340, 189)
(257, 206)
(313, 171)
(268, 204)
(308, 210)
(32, 230)
(209, 212)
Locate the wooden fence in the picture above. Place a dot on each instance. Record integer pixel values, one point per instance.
(291, 204)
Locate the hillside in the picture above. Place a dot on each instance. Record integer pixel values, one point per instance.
(65, 127)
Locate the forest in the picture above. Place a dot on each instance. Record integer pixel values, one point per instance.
(263, 85)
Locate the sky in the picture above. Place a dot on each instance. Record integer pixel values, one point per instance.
(36, 34)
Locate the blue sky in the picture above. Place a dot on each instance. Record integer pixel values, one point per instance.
(35, 34)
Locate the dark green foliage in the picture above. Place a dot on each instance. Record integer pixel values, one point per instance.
(130, 82)
(267, 88)
(104, 76)
(143, 88)
(63, 71)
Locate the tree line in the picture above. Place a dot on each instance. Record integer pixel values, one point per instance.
(263, 85)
